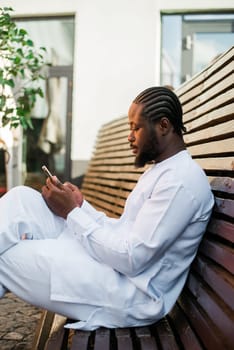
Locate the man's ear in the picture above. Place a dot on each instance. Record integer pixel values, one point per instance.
(165, 125)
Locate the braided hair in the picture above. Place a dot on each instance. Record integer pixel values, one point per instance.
(161, 102)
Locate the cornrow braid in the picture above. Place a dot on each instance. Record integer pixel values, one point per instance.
(161, 102)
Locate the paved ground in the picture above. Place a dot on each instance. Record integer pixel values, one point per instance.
(18, 322)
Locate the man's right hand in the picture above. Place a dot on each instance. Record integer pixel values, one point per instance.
(61, 198)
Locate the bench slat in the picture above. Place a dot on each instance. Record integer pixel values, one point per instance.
(205, 96)
(210, 118)
(224, 206)
(215, 132)
(116, 183)
(123, 337)
(80, 340)
(207, 72)
(102, 339)
(218, 279)
(224, 184)
(222, 229)
(219, 163)
(215, 148)
(216, 102)
(145, 339)
(165, 335)
(185, 333)
(218, 252)
(215, 309)
(206, 331)
(207, 82)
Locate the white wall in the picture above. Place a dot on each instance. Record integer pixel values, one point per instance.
(117, 54)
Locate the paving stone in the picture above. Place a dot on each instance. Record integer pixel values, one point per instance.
(18, 322)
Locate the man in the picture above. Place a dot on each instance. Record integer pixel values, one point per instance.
(59, 253)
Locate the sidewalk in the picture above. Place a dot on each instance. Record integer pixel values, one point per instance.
(18, 322)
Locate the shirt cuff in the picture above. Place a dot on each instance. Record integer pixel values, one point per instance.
(80, 222)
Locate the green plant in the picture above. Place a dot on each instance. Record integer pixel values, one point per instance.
(21, 66)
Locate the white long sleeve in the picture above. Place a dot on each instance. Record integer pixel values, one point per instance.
(156, 214)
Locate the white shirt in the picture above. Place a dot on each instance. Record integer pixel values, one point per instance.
(145, 255)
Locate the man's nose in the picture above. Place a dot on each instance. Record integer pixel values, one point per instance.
(131, 137)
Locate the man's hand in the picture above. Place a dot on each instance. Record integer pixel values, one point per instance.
(61, 198)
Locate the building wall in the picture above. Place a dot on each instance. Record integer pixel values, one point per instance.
(117, 54)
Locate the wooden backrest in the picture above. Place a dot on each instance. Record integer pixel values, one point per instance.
(208, 105)
(208, 298)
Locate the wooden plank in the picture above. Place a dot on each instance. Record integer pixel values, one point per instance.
(223, 184)
(123, 338)
(104, 189)
(220, 114)
(216, 132)
(58, 334)
(116, 169)
(207, 82)
(114, 123)
(80, 340)
(43, 330)
(122, 149)
(107, 207)
(204, 98)
(105, 198)
(216, 102)
(117, 183)
(206, 331)
(218, 252)
(165, 335)
(112, 153)
(224, 206)
(218, 279)
(113, 141)
(102, 339)
(115, 176)
(221, 228)
(213, 148)
(206, 72)
(145, 339)
(114, 129)
(185, 333)
(124, 185)
(219, 163)
(124, 159)
(214, 308)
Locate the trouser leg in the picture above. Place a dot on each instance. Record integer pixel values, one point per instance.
(24, 212)
(25, 270)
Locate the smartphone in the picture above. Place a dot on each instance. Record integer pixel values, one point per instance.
(48, 173)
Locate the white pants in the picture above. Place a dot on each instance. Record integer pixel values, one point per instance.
(22, 270)
(51, 270)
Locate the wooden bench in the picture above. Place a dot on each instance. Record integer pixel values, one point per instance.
(203, 316)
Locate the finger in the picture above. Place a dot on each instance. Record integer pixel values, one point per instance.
(51, 183)
(70, 185)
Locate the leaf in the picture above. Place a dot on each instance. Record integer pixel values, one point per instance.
(10, 82)
(30, 42)
(17, 60)
(22, 32)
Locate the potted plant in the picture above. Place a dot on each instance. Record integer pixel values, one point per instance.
(21, 72)
(21, 66)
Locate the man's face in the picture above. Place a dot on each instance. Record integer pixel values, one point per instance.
(142, 137)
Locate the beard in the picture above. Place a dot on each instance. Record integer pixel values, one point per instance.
(148, 153)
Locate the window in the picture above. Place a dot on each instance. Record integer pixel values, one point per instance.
(190, 42)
